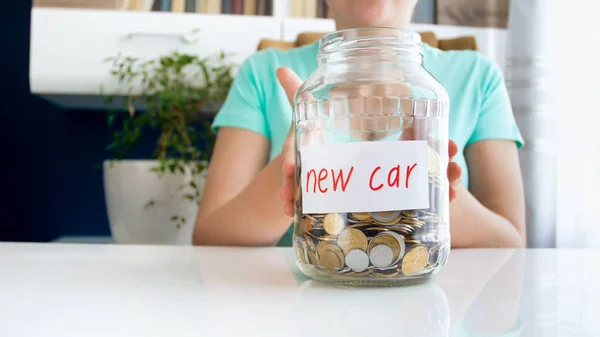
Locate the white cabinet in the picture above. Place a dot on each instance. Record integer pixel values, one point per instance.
(69, 46)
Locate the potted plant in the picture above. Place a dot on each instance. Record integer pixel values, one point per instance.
(155, 201)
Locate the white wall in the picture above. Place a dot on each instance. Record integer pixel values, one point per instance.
(576, 73)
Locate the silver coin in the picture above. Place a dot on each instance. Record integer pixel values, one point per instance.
(351, 220)
(381, 256)
(315, 220)
(385, 216)
(433, 159)
(357, 260)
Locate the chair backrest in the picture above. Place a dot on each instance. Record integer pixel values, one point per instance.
(458, 43)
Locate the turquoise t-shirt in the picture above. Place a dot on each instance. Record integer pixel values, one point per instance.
(479, 103)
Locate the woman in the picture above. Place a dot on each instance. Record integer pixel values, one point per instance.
(246, 189)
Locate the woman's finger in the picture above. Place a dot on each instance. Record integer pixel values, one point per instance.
(454, 173)
(288, 209)
(289, 168)
(289, 81)
(452, 149)
(287, 189)
(453, 194)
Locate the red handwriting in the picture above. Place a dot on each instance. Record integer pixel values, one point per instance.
(320, 179)
(393, 177)
(322, 176)
(408, 171)
(339, 179)
(371, 180)
(336, 180)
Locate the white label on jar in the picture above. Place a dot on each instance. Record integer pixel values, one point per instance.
(364, 177)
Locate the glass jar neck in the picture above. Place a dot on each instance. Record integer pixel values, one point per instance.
(372, 44)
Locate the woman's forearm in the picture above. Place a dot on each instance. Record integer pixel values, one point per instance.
(474, 225)
(253, 218)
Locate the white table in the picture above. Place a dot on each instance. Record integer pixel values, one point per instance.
(77, 290)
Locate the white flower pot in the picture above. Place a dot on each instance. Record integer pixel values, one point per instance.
(128, 187)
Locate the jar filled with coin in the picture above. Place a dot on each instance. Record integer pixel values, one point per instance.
(371, 129)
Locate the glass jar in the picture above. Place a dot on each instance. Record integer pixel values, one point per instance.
(371, 131)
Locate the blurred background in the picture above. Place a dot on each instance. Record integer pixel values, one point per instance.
(59, 92)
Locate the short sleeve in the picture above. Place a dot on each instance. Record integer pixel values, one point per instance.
(495, 116)
(243, 106)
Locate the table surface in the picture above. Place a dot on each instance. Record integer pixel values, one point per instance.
(117, 290)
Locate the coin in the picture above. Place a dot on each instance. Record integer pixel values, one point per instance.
(404, 232)
(302, 253)
(388, 273)
(410, 213)
(361, 216)
(415, 260)
(327, 238)
(381, 256)
(406, 228)
(303, 225)
(333, 223)
(412, 222)
(433, 161)
(312, 257)
(385, 217)
(392, 240)
(313, 222)
(352, 238)
(360, 224)
(378, 229)
(357, 260)
(330, 256)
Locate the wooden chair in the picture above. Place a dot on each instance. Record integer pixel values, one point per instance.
(458, 43)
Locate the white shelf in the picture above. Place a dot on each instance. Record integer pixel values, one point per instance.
(68, 46)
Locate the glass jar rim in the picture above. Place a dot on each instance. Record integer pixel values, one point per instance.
(364, 36)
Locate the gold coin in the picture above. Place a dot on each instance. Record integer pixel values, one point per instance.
(415, 260)
(391, 239)
(433, 161)
(303, 225)
(394, 273)
(333, 223)
(410, 213)
(362, 216)
(312, 257)
(361, 224)
(380, 229)
(301, 251)
(412, 240)
(325, 238)
(404, 232)
(409, 221)
(352, 238)
(331, 257)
